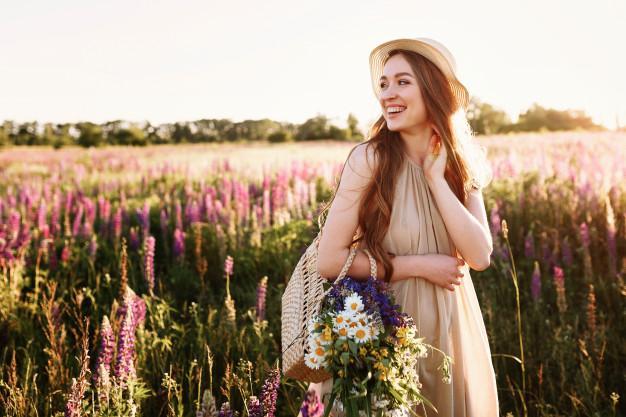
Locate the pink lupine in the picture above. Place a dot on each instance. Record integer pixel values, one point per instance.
(143, 214)
(116, 224)
(149, 262)
(107, 345)
(228, 265)
(269, 392)
(261, 294)
(41, 216)
(137, 304)
(312, 406)
(178, 213)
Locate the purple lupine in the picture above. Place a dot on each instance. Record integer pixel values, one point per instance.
(178, 247)
(90, 217)
(138, 306)
(149, 262)
(124, 364)
(107, 345)
(529, 246)
(164, 221)
(255, 409)
(192, 212)
(133, 239)
(312, 406)
(261, 293)
(535, 283)
(269, 392)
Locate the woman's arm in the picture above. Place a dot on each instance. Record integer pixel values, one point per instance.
(467, 226)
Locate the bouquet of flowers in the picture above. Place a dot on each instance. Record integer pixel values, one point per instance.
(371, 349)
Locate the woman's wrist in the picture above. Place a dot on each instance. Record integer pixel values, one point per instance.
(407, 266)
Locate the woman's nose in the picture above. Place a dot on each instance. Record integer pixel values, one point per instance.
(387, 93)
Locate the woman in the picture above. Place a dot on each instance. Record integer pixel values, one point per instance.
(412, 195)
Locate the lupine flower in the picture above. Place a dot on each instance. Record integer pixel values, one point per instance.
(164, 220)
(133, 239)
(124, 365)
(261, 293)
(178, 248)
(65, 253)
(149, 262)
(116, 224)
(107, 345)
(610, 236)
(269, 392)
(495, 220)
(178, 215)
(228, 265)
(255, 409)
(138, 306)
(312, 406)
(559, 282)
(535, 283)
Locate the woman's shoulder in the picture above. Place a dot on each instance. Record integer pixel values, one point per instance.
(362, 159)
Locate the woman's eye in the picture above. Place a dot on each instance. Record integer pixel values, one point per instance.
(382, 85)
(403, 81)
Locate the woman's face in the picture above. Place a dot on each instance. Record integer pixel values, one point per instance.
(400, 91)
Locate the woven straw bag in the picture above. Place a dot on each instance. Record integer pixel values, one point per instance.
(301, 301)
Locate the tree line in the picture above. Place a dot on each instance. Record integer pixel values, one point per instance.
(484, 119)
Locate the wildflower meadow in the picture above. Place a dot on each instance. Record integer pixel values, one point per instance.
(147, 281)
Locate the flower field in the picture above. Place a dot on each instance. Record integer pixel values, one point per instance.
(148, 281)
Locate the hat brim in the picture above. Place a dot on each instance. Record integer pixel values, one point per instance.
(447, 66)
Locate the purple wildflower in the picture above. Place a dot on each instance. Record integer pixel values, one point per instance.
(255, 409)
(178, 214)
(149, 262)
(107, 344)
(124, 365)
(261, 293)
(179, 244)
(312, 406)
(77, 221)
(495, 221)
(143, 215)
(117, 223)
(133, 239)
(269, 392)
(535, 283)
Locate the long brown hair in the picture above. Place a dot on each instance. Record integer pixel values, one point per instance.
(374, 214)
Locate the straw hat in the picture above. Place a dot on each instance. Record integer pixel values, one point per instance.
(429, 48)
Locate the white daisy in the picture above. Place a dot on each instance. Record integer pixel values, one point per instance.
(312, 361)
(359, 334)
(353, 303)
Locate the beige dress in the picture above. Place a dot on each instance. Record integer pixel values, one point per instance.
(449, 320)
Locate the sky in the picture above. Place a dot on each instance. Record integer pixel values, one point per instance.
(166, 61)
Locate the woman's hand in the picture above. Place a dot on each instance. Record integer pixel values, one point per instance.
(443, 270)
(436, 159)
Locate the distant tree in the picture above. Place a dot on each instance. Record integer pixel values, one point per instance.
(280, 136)
(90, 134)
(353, 128)
(538, 118)
(484, 119)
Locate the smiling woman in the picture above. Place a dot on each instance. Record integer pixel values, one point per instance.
(411, 195)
